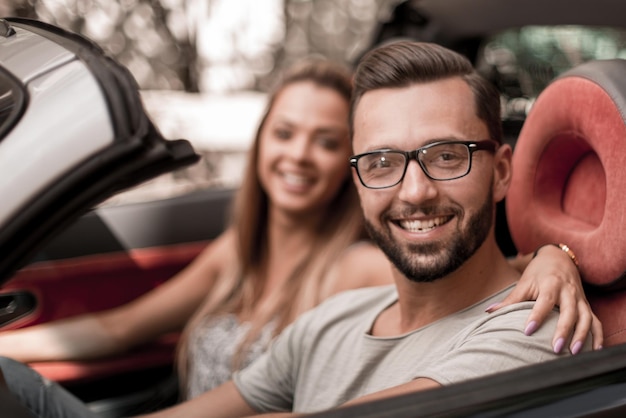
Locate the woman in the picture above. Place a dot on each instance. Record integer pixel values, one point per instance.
(295, 238)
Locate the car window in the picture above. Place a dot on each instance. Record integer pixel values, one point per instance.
(11, 99)
(523, 61)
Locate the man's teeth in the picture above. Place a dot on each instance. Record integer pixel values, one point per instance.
(295, 179)
(422, 226)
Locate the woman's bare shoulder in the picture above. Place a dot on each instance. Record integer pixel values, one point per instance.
(219, 252)
(362, 264)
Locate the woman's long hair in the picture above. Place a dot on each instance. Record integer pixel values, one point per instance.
(239, 291)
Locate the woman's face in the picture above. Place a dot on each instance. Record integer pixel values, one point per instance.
(304, 148)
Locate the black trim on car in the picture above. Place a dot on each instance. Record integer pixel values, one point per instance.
(10, 113)
(531, 391)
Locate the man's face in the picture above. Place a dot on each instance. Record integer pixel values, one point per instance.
(427, 228)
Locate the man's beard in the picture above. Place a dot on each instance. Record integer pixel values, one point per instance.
(443, 259)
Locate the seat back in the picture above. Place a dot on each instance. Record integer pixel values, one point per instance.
(569, 182)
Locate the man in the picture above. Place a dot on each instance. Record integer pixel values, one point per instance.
(429, 168)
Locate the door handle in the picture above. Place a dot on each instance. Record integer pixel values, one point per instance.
(14, 305)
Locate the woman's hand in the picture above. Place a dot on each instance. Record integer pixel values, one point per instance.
(552, 279)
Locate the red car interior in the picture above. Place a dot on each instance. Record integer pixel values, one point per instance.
(86, 284)
(569, 180)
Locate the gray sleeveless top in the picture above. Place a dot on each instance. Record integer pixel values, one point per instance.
(212, 346)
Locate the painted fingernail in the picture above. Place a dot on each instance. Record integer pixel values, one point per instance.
(490, 307)
(576, 347)
(599, 347)
(530, 328)
(558, 345)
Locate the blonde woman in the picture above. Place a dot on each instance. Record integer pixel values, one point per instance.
(295, 237)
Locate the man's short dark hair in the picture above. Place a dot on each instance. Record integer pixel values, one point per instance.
(403, 63)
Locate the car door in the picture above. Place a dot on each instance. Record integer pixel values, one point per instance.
(108, 257)
(73, 132)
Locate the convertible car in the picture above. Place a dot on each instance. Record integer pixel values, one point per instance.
(560, 69)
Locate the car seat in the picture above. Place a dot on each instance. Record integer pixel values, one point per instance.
(569, 182)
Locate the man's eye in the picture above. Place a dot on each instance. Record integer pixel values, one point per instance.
(382, 162)
(447, 158)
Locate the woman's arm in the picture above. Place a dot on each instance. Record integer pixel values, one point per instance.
(552, 279)
(164, 309)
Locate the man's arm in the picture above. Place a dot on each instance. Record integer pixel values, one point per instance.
(221, 402)
(403, 389)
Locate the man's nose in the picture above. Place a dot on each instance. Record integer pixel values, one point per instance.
(416, 187)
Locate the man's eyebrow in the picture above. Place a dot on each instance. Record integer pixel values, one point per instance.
(386, 146)
(444, 139)
(381, 147)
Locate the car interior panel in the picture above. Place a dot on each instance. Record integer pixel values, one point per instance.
(118, 263)
(98, 282)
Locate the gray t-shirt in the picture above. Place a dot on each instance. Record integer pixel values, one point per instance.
(328, 356)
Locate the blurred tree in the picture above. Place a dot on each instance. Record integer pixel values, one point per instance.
(147, 36)
(213, 45)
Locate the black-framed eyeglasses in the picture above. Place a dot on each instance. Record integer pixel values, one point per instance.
(445, 160)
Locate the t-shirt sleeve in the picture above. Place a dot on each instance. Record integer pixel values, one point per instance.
(497, 344)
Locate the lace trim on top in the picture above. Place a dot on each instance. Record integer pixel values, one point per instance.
(212, 346)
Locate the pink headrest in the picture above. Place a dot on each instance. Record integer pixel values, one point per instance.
(569, 171)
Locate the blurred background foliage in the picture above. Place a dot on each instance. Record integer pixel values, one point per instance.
(213, 46)
(229, 51)
(232, 50)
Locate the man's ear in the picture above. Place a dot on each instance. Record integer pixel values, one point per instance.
(502, 171)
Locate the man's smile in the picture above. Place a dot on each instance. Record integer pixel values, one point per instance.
(416, 225)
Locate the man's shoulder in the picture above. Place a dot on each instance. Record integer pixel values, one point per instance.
(363, 295)
(352, 303)
(514, 315)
